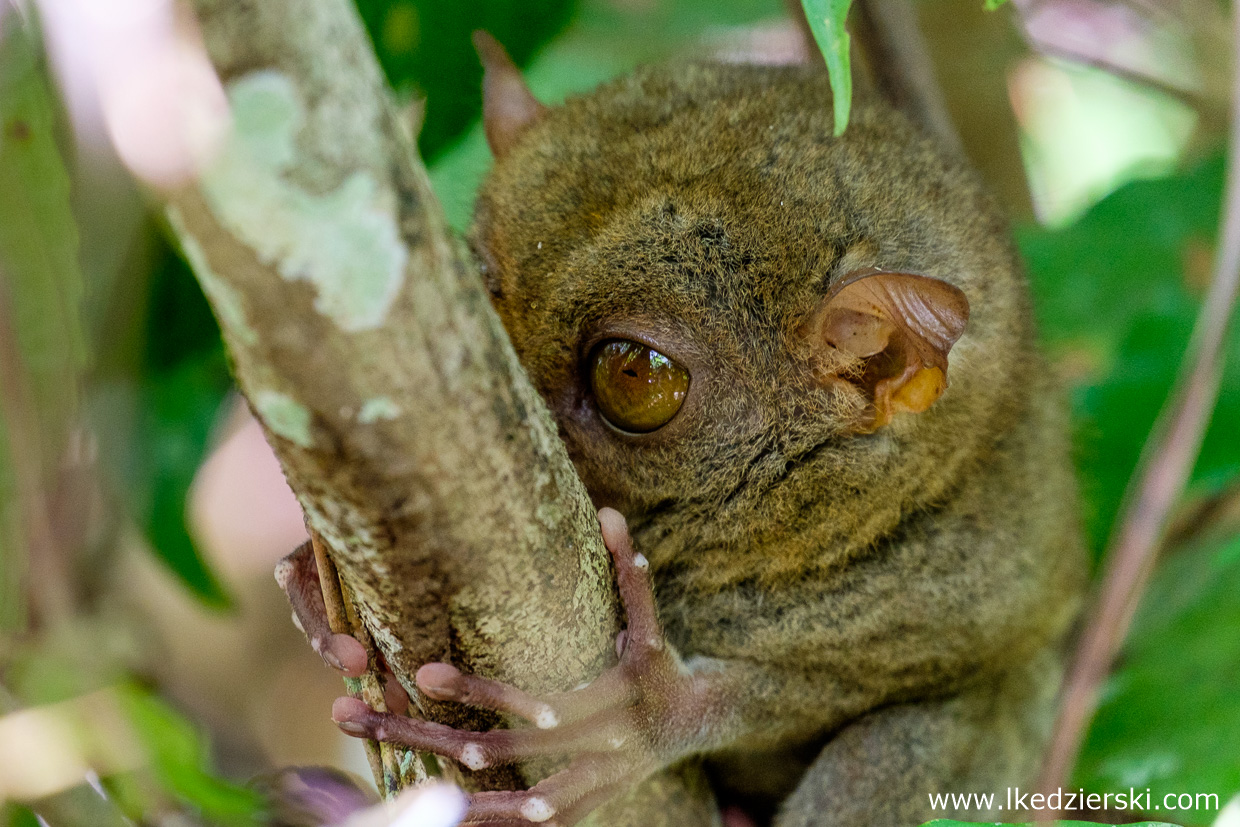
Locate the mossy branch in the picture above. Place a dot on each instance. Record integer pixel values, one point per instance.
(362, 337)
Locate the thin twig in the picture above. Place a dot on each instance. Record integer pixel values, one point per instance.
(1207, 517)
(1191, 99)
(1163, 473)
(381, 757)
(329, 580)
(895, 53)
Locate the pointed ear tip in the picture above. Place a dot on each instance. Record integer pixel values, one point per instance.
(490, 51)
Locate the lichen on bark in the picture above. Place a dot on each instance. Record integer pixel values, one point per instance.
(361, 334)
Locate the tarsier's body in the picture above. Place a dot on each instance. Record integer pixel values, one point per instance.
(875, 581)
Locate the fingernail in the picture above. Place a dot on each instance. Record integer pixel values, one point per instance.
(536, 809)
(473, 757)
(440, 693)
(332, 660)
(439, 680)
(546, 718)
(352, 728)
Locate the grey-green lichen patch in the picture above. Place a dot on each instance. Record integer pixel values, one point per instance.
(285, 416)
(344, 242)
(224, 297)
(380, 407)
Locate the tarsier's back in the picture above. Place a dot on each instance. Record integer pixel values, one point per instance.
(804, 368)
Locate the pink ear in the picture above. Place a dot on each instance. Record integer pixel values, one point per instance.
(508, 107)
(889, 334)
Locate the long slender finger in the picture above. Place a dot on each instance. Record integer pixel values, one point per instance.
(632, 580)
(578, 810)
(478, 750)
(298, 576)
(445, 682)
(562, 799)
(614, 689)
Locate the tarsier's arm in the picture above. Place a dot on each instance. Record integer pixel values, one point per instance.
(648, 711)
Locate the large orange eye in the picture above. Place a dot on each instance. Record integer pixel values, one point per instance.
(637, 389)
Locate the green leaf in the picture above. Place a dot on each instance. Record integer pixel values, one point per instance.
(184, 382)
(178, 409)
(179, 760)
(40, 296)
(14, 815)
(946, 823)
(38, 238)
(155, 403)
(991, 5)
(1170, 716)
(1113, 300)
(827, 19)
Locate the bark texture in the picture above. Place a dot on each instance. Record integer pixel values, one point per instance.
(364, 341)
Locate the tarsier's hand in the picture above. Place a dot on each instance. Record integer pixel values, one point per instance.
(639, 715)
(298, 576)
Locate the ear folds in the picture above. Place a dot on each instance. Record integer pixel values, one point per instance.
(508, 107)
(889, 334)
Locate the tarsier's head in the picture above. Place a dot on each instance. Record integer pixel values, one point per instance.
(741, 323)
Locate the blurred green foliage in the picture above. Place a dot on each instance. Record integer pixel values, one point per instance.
(40, 296)
(181, 383)
(13, 815)
(1170, 717)
(177, 398)
(1116, 295)
(942, 822)
(38, 240)
(47, 374)
(605, 39)
(178, 757)
(424, 47)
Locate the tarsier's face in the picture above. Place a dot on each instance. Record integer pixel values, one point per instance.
(724, 306)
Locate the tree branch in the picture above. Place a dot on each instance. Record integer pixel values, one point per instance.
(894, 54)
(363, 339)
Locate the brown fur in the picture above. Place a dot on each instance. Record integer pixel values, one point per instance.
(705, 209)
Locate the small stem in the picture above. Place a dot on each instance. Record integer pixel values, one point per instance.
(1167, 461)
(1189, 98)
(895, 53)
(381, 757)
(329, 581)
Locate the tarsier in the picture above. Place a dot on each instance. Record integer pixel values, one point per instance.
(803, 368)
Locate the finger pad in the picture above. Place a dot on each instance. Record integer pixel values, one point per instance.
(351, 654)
(349, 709)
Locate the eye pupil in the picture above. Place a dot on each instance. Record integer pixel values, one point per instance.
(636, 388)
